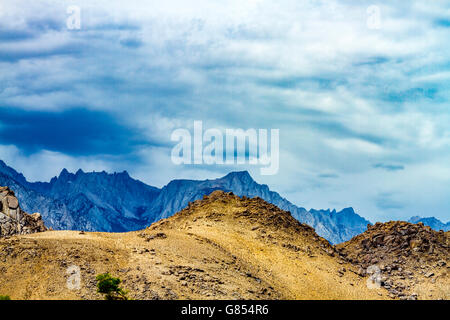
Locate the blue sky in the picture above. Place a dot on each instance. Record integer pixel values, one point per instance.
(363, 108)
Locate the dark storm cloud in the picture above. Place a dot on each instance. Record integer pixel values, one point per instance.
(388, 201)
(389, 167)
(14, 55)
(445, 23)
(131, 43)
(75, 132)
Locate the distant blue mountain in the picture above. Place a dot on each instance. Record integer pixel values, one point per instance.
(84, 201)
(98, 201)
(431, 222)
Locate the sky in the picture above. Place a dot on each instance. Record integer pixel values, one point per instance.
(359, 91)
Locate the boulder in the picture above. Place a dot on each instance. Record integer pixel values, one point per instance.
(12, 202)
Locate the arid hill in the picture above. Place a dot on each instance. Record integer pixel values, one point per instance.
(221, 247)
(413, 260)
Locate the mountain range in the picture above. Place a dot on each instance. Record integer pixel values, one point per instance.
(431, 222)
(100, 201)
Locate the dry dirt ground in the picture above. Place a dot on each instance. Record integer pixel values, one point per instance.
(222, 247)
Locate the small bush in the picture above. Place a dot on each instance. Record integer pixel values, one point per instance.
(5, 298)
(109, 286)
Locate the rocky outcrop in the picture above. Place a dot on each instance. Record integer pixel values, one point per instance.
(13, 220)
(397, 240)
(404, 254)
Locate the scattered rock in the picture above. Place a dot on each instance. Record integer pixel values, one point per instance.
(361, 272)
(441, 263)
(413, 296)
(148, 237)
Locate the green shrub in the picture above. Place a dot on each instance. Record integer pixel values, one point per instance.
(5, 298)
(109, 286)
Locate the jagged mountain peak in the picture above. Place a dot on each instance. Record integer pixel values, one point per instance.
(5, 169)
(348, 210)
(240, 175)
(124, 174)
(64, 172)
(333, 211)
(235, 176)
(65, 175)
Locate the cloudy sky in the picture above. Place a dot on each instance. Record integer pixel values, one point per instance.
(360, 91)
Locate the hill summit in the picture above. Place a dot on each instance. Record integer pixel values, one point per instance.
(221, 205)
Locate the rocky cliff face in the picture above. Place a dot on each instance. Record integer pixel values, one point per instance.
(13, 220)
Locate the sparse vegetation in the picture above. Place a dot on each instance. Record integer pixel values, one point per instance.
(109, 286)
(5, 298)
